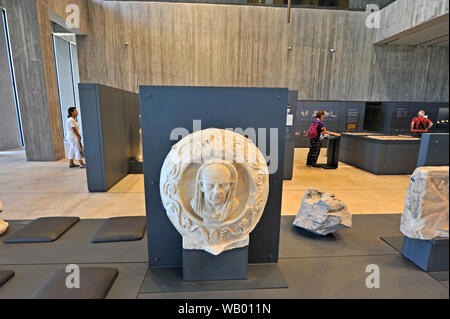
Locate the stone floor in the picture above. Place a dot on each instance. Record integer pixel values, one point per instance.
(30, 190)
(309, 266)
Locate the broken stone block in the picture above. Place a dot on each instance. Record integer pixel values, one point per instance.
(3, 227)
(322, 213)
(426, 206)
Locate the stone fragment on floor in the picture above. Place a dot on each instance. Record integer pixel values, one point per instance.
(322, 213)
(426, 206)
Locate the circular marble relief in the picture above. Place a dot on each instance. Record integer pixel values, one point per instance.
(214, 186)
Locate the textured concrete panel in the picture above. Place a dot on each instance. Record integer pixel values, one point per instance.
(408, 16)
(9, 130)
(37, 94)
(247, 46)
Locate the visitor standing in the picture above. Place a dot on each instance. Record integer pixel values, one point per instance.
(74, 138)
(316, 134)
(421, 124)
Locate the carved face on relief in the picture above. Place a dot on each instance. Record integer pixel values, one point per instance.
(215, 191)
(216, 183)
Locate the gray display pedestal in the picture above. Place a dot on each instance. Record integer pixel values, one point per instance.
(433, 150)
(199, 265)
(168, 111)
(290, 136)
(334, 143)
(430, 255)
(380, 154)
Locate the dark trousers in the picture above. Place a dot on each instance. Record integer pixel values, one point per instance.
(314, 151)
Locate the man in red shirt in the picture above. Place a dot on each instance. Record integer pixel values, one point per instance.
(421, 124)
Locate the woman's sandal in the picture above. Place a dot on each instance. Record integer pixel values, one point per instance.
(74, 165)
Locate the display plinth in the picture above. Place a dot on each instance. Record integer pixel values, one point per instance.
(430, 255)
(199, 265)
(170, 113)
(334, 143)
(380, 154)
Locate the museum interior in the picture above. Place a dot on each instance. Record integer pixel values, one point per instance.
(217, 149)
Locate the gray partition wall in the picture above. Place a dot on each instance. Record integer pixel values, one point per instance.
(339, 117)
(111, 133)
(396, 117)
(433, 150)
(164, 108)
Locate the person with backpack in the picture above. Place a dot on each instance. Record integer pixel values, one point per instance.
(316, 134)
(420, 124)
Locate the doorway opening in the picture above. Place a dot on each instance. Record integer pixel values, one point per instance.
(373, 117)
(68, 78)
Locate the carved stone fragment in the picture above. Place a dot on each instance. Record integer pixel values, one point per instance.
(322, 213)
(426, 206)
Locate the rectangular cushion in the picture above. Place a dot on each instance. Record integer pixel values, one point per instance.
(94, 284)
(44, 229)
(5, 275)
(120, 229)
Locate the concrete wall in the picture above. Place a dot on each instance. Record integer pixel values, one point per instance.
(403, 15)
(9, 127)
(359, 71)
(183, 44)
(31, 66)
(226, 45)
(34, 65)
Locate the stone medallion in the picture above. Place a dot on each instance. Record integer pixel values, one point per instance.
(214, 186)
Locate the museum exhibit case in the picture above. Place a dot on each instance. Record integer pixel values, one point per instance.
(380, 154)
(180, 213)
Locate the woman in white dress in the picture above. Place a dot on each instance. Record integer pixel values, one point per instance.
(74, 138)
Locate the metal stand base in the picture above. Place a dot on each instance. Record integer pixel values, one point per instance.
(430, 255)
(200, 265)
(326, 166)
